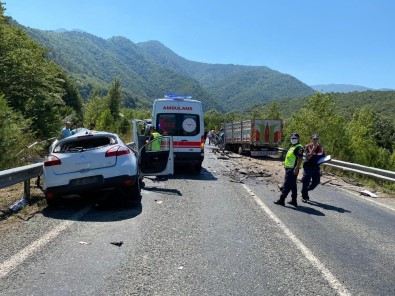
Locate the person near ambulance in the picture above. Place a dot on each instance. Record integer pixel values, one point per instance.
(66, 131)
(153, 134)
(311, 169)
(292, 163)
(210, 136)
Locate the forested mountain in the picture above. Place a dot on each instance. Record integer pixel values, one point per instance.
(380, 102)
(234, 85)
(148, 70)
(95, 62)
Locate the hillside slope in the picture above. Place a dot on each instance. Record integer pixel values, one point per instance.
(95, 62)
(149, 70)
(380, 102)
(235, 85)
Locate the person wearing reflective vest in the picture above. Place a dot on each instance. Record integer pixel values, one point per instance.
(292, 163)
(155, 145)
(311, 169)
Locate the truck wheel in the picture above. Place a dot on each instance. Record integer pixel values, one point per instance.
(240, 151)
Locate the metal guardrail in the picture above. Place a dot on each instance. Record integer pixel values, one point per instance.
(364, 170)
(25, 173)
(357, 168)
(21, 174)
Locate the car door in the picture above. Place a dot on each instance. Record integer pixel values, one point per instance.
(152, 162)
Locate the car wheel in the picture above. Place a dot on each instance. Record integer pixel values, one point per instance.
(53, 202)
(132, 194)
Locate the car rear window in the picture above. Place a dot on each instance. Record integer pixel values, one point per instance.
(178, 124)
(84, 143)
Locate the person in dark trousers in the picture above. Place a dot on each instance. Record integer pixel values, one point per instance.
(311, 169)
(292, 163)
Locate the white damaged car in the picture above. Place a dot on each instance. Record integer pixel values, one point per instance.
(94, 161)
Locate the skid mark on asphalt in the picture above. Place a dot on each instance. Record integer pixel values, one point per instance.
(13, 262)
(329, 277)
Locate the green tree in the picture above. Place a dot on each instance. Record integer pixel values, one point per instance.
(213, 119)
(105, 121)
(273, 111)
(319, 115)
(30, 82)
(131, 114)
(93, 109)
(231, 116)
(72, 97)
(270, 111)
(14, 135)
(362, 132)
(114, 98)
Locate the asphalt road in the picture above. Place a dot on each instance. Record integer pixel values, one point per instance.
(205, 235)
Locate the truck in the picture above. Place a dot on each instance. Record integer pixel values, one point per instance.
(257, 137)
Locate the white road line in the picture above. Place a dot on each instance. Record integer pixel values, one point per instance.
(14, 261)
(329, 277)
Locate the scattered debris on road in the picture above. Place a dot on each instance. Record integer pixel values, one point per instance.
(84, 243)
(118, 244)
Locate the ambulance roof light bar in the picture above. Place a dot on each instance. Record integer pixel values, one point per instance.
(177, 96)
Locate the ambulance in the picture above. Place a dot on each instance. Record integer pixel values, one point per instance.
(182, 118)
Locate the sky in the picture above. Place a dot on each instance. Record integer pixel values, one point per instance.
(316, 41)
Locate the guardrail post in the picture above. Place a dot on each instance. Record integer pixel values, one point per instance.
(26, 185)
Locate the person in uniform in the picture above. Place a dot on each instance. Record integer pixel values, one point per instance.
(292, 163)
(311, 169)
(155, 145)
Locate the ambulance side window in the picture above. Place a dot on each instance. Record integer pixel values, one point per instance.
(178, 124)
(167, 124)
(189, 124)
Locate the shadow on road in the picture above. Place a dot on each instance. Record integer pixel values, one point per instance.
(103, 207)
(186, 172)
(328, 207)
(163, 190)
(313, 211)
(307, 210)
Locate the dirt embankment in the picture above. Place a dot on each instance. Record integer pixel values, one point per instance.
(270, 170)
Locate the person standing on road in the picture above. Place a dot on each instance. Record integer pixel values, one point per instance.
(292, 163)
(210, 136)
(311, 169)
(66, 131)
